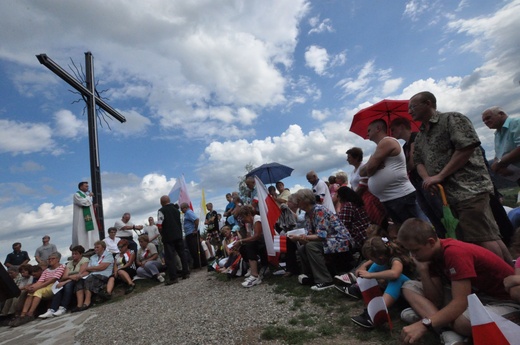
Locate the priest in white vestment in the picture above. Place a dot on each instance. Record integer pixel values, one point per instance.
(85, 230)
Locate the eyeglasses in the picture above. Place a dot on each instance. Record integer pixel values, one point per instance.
(121, 246)
(52, 259)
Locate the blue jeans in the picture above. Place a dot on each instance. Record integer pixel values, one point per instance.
(63, 297)
(402, 208)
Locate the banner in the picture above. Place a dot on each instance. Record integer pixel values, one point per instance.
(269, 214)
(203, 211)
(179, 193)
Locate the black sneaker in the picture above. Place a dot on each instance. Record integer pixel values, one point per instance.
(363, 320)
(354, 291)
(322, 286)
(129, 289)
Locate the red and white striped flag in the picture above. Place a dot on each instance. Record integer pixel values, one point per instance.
(490, 328)
(280, 244)
(373, 298)
(269, 214)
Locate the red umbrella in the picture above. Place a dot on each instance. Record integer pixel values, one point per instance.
(388, 110)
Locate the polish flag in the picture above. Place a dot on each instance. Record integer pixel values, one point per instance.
(490, 328)
(373, 298)
(280, 244)
(179, 193)
(269, 214)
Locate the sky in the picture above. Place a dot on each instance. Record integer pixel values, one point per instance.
(208, 87)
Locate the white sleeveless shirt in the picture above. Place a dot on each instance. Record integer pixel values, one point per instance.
(392, 181)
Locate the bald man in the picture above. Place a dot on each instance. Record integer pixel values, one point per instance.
(507, 140)
(169, 224)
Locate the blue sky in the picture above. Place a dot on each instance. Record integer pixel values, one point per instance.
(210, 86)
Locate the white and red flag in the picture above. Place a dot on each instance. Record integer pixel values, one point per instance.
(179, 192)
(269, 214)
(490, 328)
(373, 298)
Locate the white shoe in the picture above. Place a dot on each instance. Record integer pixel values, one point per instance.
(347, 278)
(304, 279)
(248, 274)
(160, 278)
(46, 315)
(409, 316)
(248, 279)
(452, 338)
(252, 282)
(61, 311)
(279, 273)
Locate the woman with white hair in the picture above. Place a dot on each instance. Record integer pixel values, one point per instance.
(326, 234)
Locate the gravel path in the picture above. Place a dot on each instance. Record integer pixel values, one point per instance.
(199, 310)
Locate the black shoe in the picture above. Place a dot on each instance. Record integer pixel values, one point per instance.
(363, 320)
(354, 291)
(129, 289)
(84, 307)
(105, 296)
(322, 286)
(171, 282)
(186, 276)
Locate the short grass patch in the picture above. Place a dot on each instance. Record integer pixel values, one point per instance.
(331, 319)
(288, 335)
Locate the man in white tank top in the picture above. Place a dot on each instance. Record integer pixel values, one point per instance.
(388, 178)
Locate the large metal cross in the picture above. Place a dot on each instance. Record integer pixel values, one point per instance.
(89, 92)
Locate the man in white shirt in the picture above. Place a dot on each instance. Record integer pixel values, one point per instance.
(125, 230)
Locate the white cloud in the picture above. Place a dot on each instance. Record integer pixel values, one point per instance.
(135, 125)
(365, 75)
(68, 126)
(339, 59)
(319, 149)
(320, 26)
(27, 166)
(415, 8)
(24, 137)
(180, 56)
(317, 59)
(391, 85)
(320, 115)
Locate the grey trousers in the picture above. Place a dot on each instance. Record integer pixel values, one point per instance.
(313, 262)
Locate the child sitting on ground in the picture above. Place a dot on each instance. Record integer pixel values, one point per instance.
(388, 262)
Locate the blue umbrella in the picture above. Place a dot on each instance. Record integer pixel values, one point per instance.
(271, 172)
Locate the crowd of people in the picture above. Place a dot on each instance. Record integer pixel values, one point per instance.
(383, 223)
(391, 215)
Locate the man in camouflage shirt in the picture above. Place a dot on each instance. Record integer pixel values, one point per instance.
(446, 152)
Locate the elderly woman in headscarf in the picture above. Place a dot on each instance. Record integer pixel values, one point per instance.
(326, 234)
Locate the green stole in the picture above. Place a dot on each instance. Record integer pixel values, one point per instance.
(87, 216)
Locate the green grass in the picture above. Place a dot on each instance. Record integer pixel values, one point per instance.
(288, 335)
(331, 320)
